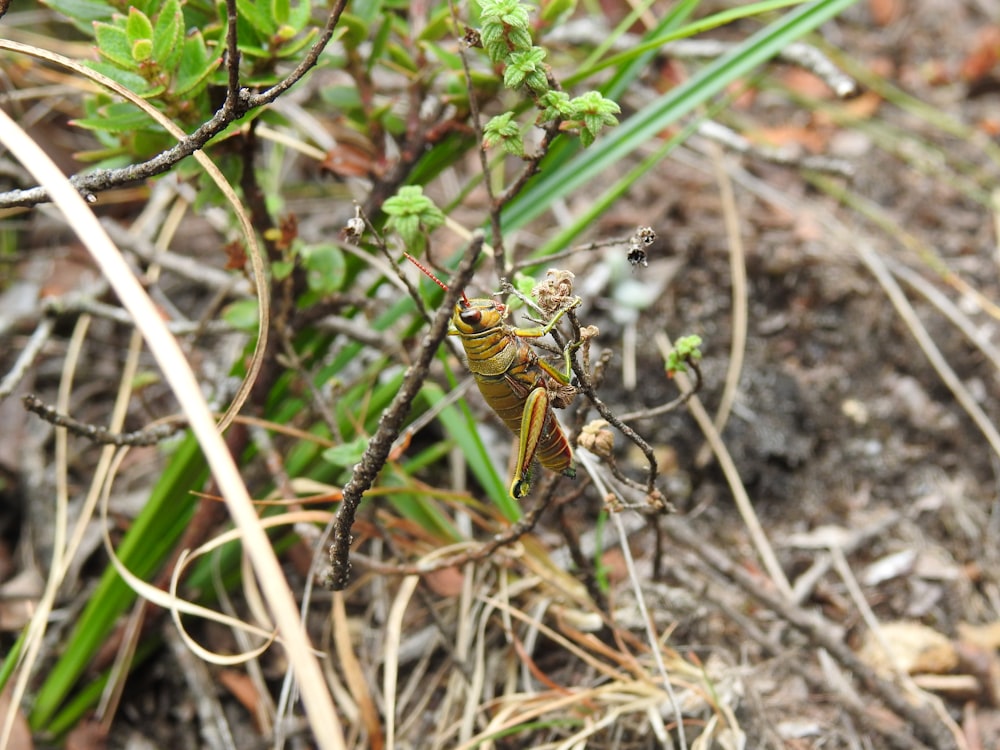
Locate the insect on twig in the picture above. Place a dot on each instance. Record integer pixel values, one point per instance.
(521, 388)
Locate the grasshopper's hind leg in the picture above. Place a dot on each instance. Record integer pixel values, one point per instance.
(536, 408)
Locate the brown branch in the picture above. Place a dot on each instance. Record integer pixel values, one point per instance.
(149, 436)
(391, 423)
(587, 388)
(232, 56)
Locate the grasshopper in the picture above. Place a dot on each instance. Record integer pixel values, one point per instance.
(521, 388)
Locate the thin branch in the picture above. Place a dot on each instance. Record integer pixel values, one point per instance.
(587, 388)
(150, 436)
(232, 57)
(27, 356)
(391, 423)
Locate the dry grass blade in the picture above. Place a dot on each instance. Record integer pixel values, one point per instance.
(738, 276)
(357, 682)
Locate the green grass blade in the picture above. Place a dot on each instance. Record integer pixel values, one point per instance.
(460, 426)
(153, 534)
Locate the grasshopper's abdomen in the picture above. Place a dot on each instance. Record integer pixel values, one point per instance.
(507, 393)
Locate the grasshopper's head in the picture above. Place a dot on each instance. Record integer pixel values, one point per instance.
(473, 316)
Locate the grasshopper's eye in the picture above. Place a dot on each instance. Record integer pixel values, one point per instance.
(471, 316)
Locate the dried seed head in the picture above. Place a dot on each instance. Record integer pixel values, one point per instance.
(555, 292)
(637, 244)
(612, 503)
(354, 229)
(561, 395)
(658, 502)
(596, 439)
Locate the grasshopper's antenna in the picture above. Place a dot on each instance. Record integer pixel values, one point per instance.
(431, 276)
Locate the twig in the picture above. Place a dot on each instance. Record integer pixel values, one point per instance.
(587, 388)
(27, 356)
(587, 248)
(148, 436)
(76, 304)
(670, 405)
(391, 423)
(186, 267)
(232, 56)
(733, 141)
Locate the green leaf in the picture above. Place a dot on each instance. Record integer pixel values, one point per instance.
(85, 12)
(526, 67)
(142, 50)
(300, 15)
(346, 455)
(355, 30)
(257, 16)
(524, 283)
(503, 131)
(439, 25)
(167, 35)
(686, 350)
(195, 68)
(241, 314)
(113, 45)
(291, 49)
(138, 27)
(119, 117)
(128, 79)
(281, 269)
(326, 268)
(280, 11)
(344, 98)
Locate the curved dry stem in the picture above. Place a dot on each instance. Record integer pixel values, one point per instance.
(738, 277)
